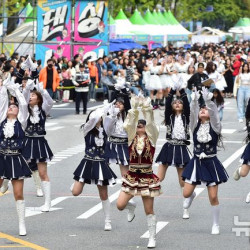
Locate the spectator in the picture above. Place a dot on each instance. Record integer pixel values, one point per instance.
(50, 78)
(93, 71)
(82, 81)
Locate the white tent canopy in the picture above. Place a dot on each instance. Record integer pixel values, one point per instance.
(208, 35)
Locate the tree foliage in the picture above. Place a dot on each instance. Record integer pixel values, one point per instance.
(224, 15)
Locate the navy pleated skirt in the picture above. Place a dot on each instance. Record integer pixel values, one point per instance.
(14, 167)
(36, 149)
(117, 153)
(245, 158)
(208, 170)
(176, 155)
(95, 172)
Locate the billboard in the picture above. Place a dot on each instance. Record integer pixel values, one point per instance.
(91, 21)
(54, 29)
(53, 20)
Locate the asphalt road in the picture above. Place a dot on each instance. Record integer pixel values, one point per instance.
(77, 222)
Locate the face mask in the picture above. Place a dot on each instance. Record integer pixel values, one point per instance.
(50, 66)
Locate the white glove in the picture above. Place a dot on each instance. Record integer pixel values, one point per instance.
(30, 84)
(146, 103)
(114, 111)
(99, 112)
(195, 95)
(107, 106)
(40, 88)
(7, 82)
(120, 84)
(13, 87)
(134, 102)
(207, 96)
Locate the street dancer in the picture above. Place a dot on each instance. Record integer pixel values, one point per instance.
(244, 169)
(140, 179)
(36, 149)
(93, 168)
(13, 166)
(204, 167)
(175, 151)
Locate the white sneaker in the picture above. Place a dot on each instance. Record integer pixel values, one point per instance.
(248, 198)
(131, 210)
(236, 174)
(215, 229)
(240, 120)
(188, 201)
(107, 226)
(185, 214)
(5, 186)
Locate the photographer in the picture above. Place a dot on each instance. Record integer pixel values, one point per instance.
(81, 82)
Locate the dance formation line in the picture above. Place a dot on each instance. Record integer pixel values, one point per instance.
(115, 134)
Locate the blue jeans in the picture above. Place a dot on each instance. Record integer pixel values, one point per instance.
(242, 98)
(135, 90)
(51, 93)
(221, 114)
(92, 87)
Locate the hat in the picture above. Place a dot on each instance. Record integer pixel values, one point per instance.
(238, 57)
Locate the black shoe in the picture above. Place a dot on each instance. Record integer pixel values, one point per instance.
(84, 112)
(77, 113)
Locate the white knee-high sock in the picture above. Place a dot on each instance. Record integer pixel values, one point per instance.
(239, 170)
(216, 214)
(106, 209)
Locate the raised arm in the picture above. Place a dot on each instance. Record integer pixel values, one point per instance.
(131, 120)
(22, 104)
(168, 108)
(186, 106)
(151, 129)
(26, 91)
(194, 110)
(47, 100)
(4, 102)
(94, 117)
(110, 120)
(212, 110)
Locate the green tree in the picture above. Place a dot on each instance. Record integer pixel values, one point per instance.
(10, 9)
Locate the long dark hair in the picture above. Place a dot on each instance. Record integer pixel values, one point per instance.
(94, 131)
(39, 99)
(219, 99)
(210, 68)
(244, 64)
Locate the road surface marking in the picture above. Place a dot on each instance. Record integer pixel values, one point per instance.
(159, 226)
(98, 207)
(21, 242)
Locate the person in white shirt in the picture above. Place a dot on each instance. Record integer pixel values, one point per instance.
(243, 93)
(81, 81)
